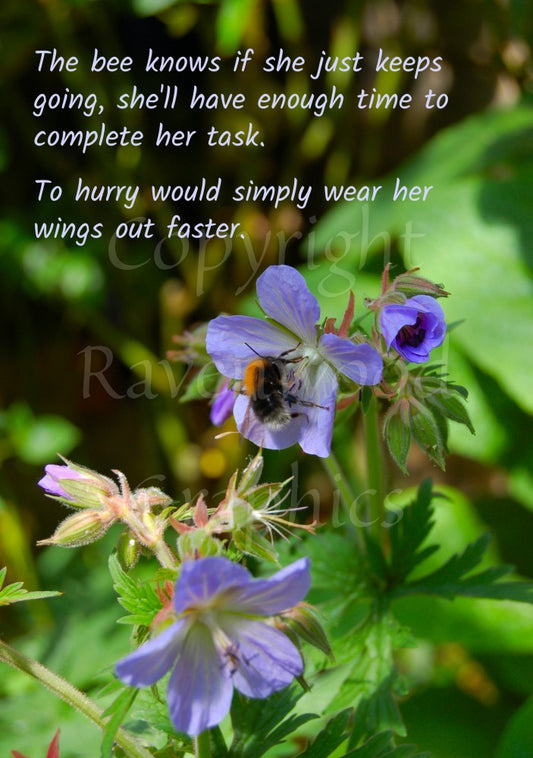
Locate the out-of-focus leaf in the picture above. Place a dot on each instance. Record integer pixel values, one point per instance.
(37, 439)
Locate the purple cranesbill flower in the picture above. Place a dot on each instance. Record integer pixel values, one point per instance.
(413, 328)
(311, 359)
(222, 406)
(219, 641)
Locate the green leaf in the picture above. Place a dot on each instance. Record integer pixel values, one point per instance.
(203, 384)
(410, 528)
(382, 746)
(259, 725)
(118, 711)
(517, 738)
(15, 592)
(454, 578)
(329, 739)
(139, 598)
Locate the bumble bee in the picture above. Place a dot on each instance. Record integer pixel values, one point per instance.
(270, 386)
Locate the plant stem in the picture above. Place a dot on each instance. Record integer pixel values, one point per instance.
(164, 554)
(375, 470)
(347, 497)
(70, 695)
(201, 745)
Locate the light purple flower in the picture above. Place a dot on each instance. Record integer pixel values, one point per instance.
(312, 359)
(222, 406)
(413, 328)
(54, 473)
(218, 644)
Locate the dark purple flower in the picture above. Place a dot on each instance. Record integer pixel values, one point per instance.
(313, 360)
(219, 643)
(413, 328)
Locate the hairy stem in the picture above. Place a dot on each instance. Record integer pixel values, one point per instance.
(375, 470)
(70, 695)
(346, 495)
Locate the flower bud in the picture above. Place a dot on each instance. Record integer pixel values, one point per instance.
(128, 550)
(302, 622)
(80, 529)
(80, 486)
(411, 284)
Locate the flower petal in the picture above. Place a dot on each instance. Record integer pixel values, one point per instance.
(394, 317)
(318, 386)
(154, 658)
(424, 312)
(54, 472)
(285, 297)
(360, 363)
(200, 580)
(232, 340)
(252, 429)
(200, 688)
(267, 660)
(266, 597)
(222, 406)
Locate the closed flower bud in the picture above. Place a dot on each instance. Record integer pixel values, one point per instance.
(411, 284)
(80, 529)
(301, 621)
(128, 550)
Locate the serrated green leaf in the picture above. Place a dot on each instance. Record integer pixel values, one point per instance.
(408, 533)
(453, 579)
(139, 598)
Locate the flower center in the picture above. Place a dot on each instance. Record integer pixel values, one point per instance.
(411, 334)
(312, 356)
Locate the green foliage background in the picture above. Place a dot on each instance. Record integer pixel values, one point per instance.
(473, 666)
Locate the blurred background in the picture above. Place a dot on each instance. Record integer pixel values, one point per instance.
(112, 306)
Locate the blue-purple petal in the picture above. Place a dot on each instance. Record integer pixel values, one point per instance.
(252, 429)
(154, 658)
(200, 688)
(222, 406)
(232, 340)
(285, 297)
(267, 659)
(200, 580)
(267, 597)
(360, 363)
(319, 386)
